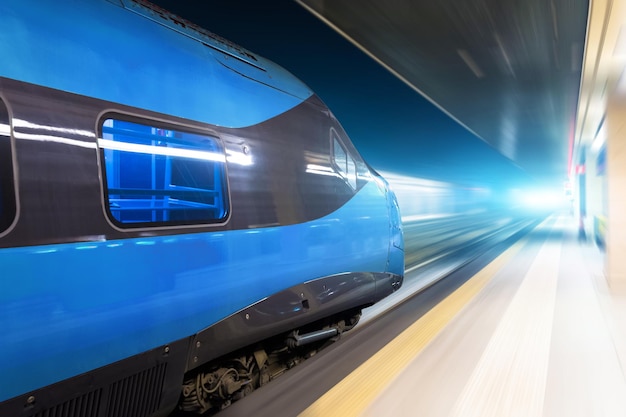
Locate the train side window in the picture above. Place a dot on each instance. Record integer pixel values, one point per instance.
(157, 176)
(7, 187)
(343, 161)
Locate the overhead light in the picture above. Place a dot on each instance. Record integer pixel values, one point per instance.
(469, 61)
(600, 139)
(505, 55)
(620, 43)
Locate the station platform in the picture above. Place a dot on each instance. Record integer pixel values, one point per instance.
(536, 332)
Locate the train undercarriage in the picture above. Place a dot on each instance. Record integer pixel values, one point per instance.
(216, 385)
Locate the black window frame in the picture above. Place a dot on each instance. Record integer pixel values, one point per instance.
(8, 188)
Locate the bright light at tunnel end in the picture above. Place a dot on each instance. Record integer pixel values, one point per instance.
(538, 199)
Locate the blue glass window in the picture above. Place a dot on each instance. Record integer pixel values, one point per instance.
(157, 176)
(7, 187)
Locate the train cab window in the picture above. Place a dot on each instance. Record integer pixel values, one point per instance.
(7, 187)
(343, 161)
(157, 176)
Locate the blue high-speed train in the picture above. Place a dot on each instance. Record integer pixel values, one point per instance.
(180, 219)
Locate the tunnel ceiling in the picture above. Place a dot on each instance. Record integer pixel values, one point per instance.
(507, 70)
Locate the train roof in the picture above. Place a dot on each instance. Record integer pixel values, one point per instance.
(137, 54)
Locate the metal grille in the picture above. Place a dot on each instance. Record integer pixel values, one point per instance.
(138, 395)
(84, 406)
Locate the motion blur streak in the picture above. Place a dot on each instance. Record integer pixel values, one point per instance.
(421, 198)
(440, 218)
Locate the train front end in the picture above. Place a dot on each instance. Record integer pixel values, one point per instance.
(395, 259)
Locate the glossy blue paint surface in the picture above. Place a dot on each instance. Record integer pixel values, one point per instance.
(100, 49)
(67, 309)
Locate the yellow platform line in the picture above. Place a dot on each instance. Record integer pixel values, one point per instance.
(352, 395)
